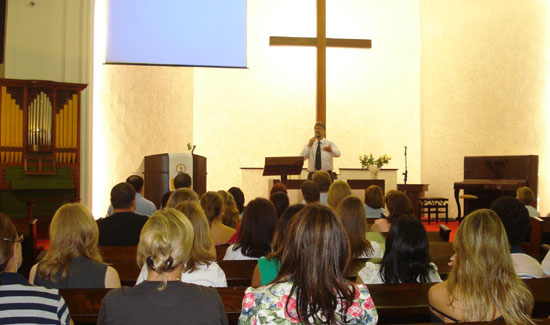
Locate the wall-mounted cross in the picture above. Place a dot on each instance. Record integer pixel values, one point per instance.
(321, 42)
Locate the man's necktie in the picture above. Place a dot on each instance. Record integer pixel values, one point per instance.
(318, 156)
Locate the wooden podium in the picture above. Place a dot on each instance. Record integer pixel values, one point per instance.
(157, 176)
(283, 166)
(413, 192)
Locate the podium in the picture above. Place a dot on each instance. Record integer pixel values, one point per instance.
(157, 176)
(283, 166)
(414, 192)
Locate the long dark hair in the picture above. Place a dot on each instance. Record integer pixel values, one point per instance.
(315, 258)
(407, 258)
(257, 228)
(352, 213)
(282, 229)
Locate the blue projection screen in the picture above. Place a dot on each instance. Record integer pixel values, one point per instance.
(208, 33)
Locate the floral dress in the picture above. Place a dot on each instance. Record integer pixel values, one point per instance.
(266, 305)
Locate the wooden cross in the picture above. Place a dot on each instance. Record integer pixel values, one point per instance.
(321, 42)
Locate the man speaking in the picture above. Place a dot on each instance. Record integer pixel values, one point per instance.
(319, 151)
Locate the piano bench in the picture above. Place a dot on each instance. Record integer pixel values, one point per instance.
(435, 206)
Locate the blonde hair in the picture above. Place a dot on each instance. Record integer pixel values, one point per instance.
(181, 195)
(212, 204)
(73, 233)
(337, 192)
(202, 242)
(483, 278)
(165, 242)
(230, 215)
(525, 195)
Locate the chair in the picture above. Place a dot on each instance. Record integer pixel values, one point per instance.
(435, 206)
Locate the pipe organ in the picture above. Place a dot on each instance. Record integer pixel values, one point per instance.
(39, 141)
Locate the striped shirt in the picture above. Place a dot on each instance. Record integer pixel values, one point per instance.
(23, 303)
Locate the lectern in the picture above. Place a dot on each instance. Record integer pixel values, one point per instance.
(157, 175)
(283, 166)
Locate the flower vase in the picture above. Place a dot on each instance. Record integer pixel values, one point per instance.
(374, 171)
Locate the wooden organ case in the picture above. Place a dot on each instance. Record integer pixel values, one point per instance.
(39, 146)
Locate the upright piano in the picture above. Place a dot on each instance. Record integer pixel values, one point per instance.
(490, 177)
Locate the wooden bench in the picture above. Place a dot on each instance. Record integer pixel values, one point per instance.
(398, 303)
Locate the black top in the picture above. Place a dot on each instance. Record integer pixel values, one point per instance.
(120, 229)
(83, 273)
(179, 303)
(435, 319)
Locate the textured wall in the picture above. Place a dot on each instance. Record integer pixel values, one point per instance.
(484, 86)
(140, 111)
(373, 105)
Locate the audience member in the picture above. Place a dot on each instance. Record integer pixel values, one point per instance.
(482, 285)
(281, 202)
(212, 204)
(398, 204)
(122, 228)
(256, 232)
(352, 213)
(323, 180)
(268, 267)
(143, 206)
(164, 246)
(182, 180)
(230, 216)
(406, 259)
(181, 195)
(337, 192)
(238, 195)
(311, 287)
(526, 196)
(164, 199)
(374, 202)
(201, 268)
(22, 302)
(515, 218)
(278, 187)
(73, 259)
(546, 264)
(310, 192)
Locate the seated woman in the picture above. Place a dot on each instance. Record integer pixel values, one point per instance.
(268, 267)
(201, 268)
(337, 192)
(212, 204)
(230, 216)
(181, 195)
(482, 285)
(374, 202)
(352, 213)
(311, 287)
(398, 204)
(73, 259)
(22, 301)
(406, 259)
(164, 246)
(256, 232)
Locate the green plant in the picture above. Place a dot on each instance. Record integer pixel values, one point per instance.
(368, 160)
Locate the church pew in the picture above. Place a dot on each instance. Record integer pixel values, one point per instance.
(401, 303)
(115, 253)
(220, 251)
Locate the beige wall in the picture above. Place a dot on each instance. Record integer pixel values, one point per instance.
(242, 116)
(484, 86)
(140, 111)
